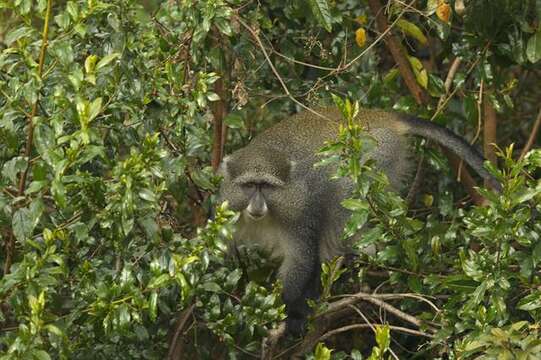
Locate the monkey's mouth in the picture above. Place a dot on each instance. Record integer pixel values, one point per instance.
(255, 216)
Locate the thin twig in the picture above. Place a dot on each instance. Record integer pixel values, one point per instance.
(10, 240)
(378, 39)
(450, 77)
(479, 111)
(332, 71)
(377, 299)
(183, 318)
(532, 137)
(219, 112)
(371, 326)
(450, 96)
(30, 134)
(360, 326)
(295, 61)
(276, 73)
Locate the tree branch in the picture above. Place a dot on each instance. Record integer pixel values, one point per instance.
(339, 309)
(10, 240)
(489, 132)
(395, 48)
(219, 111)
(533, 136)
(175, 348)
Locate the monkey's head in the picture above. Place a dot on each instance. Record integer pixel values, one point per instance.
(254, 179)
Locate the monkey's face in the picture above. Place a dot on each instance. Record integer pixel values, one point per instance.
(255, 185)
(257, 194)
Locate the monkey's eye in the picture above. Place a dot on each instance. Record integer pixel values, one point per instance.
(249, 185)
(266, 186)
(249, 188)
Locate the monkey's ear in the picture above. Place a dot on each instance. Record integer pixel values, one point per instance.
(223, 169)
(292, 165)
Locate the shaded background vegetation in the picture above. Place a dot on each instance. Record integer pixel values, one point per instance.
(115, 114)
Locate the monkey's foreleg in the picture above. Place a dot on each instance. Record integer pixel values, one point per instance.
(300, 272)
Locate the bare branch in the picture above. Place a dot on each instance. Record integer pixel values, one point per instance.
(175, 348)
(371, 326)
(533, 136)
(364, 326)
(395, 48)
(490, 128)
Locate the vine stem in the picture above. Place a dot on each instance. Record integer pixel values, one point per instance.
(10, 242)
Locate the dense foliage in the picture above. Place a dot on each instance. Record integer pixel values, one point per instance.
(108, 118)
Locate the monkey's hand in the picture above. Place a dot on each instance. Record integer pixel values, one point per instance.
(295, 327)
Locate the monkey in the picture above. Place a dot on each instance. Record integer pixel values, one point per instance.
(293, 209)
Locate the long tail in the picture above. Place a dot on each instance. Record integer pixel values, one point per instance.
(450, 140)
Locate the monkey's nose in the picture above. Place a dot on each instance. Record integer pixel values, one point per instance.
(257, 208)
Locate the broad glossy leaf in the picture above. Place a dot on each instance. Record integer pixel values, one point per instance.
(533, 49)
(322, 12)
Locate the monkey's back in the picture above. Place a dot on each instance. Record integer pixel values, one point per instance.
(305, 133)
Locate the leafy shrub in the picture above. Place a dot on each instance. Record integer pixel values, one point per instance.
(107, 112)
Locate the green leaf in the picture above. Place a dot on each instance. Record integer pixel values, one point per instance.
(421, 75)
(147, 194)
(212, 287)
(391, 75)
(17, 34)
(356, 355)
(159, 281)
(412, 30)
(94, 109)
(73, 10)
(234, 121)
(90, 63)
(35, 186)
(44, 139)
(533, 49)
(106, 60)
(153, 305)
(355, 204)
(22, 224)
(322, 12)
(36, 210)
(40, 355)
(59, 192)
(322, 352)
(62, 20)
(383, 337)
(530, 302)
(212, 96)
(53, 329)
(471, 109)
(13, 167)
